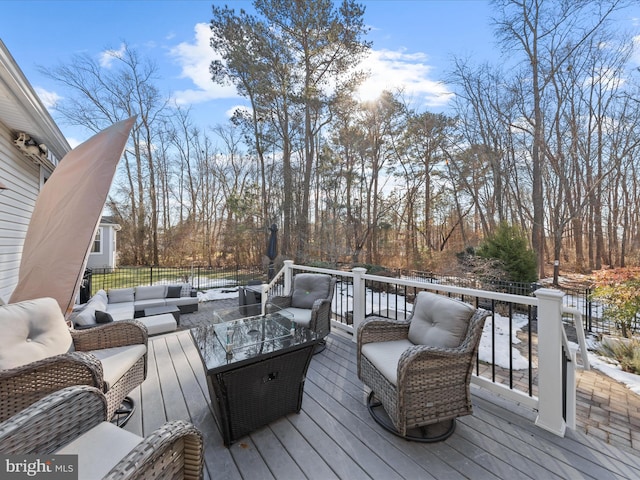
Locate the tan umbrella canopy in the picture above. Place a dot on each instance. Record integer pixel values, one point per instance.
(66, 216)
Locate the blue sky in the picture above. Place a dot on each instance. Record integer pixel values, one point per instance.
(413, 43)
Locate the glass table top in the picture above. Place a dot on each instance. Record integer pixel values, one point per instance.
(231, 338)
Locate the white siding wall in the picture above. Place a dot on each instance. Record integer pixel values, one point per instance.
(106, 258)
(22, 179)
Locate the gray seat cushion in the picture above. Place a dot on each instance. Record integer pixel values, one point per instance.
(309, 287)
(149, 303)
(302, 316)
(120, 311)
(157, 324)
(385, 356)
(100, 449)
(117, 361)
(439, 321)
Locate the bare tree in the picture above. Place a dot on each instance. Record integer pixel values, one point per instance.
(544, 30)
(103, 95)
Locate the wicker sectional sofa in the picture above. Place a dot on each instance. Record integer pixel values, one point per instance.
(129, 303)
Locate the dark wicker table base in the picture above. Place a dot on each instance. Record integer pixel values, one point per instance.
(254, 395)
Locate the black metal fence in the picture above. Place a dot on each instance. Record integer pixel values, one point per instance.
(201, 278)
(594, 320)
(204, 278)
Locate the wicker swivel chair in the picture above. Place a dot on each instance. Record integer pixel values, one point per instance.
(72, 421)
(419, 369)
(310, 302)
(39, 354)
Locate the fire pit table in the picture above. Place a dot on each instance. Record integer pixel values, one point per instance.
(256, 368)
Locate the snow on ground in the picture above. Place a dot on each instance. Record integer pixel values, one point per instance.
(609, 366)
(502, 342)
(614, 371)
(218, 294)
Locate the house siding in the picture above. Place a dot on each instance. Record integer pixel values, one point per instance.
(106, 258)
(21, 176)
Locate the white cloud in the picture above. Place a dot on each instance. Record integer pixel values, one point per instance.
(390, 70)
(231, 111)
(49, 99)
(400, 70)
(108, 56)
(607, 78)
(194, 60)
(635, 54)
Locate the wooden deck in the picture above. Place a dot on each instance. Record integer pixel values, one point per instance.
(334, 436)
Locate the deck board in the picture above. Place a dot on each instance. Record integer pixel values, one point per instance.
(335, 437)
(301, 451)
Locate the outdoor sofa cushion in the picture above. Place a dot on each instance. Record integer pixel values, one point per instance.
(152, 302)
(439, 321)
(121, 311)
(309, 287)
(32, 330)
(87, 314)
(150, 292)
(119, 295)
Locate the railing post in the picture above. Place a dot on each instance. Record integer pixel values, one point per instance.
(359, 298)
(264, 296)
(288, 277)
(571, 390)
(550, 361)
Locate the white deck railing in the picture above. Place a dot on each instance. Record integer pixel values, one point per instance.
(551, 382)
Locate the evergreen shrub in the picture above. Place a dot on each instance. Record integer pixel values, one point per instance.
(510, 246)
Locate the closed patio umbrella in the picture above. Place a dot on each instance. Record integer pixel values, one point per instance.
(272, 248)
(65, 218)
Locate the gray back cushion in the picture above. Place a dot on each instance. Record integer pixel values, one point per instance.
(119, 295)
(439, 321)
(309, 287)
(32, 330)
(150, 292)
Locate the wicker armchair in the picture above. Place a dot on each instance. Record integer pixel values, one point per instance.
(72, 421)
(309, 302)
(419, 369)
(39, 354)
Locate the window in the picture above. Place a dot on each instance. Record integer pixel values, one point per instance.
(97, 242)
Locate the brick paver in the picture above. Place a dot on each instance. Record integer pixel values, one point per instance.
(607, 409)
